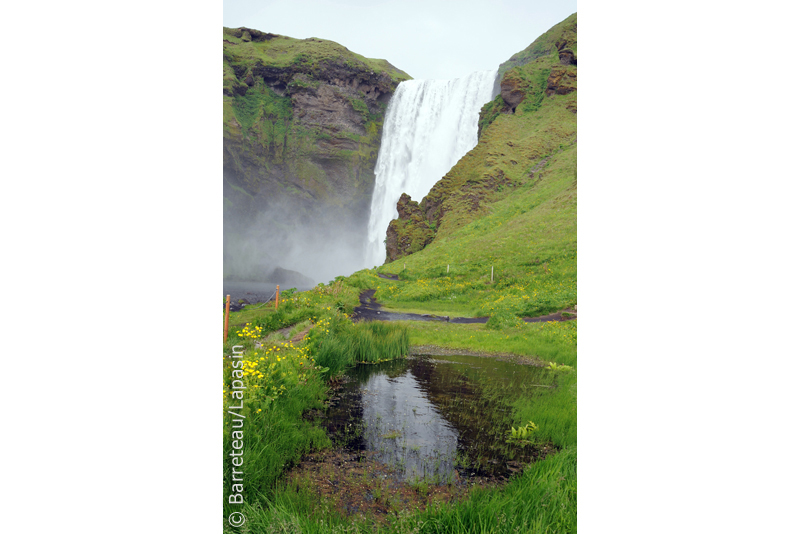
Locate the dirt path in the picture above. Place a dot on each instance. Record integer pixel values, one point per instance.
(372, 310)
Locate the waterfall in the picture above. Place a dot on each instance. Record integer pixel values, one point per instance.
(429, 126)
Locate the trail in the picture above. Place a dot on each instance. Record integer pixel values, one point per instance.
(372, 310)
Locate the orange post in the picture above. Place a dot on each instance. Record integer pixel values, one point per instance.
(277, 296)
(227, 315)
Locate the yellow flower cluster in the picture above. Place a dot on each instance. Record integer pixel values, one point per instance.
(250, 333)
(559, 331)
(323, 326)
(269, 373)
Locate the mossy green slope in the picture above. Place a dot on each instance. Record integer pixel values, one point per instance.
(509, 204)
(563, 35)
(302, 122)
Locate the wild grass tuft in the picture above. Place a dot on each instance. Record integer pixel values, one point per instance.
(336, 343)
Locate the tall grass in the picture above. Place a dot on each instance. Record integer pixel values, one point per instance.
(336, 343)
(275, 438)
(543, 499)
(554, 411)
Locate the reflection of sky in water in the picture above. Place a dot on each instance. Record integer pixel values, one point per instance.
(406, 430)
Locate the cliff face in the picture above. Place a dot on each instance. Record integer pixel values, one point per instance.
(532, 120)
(302, 124)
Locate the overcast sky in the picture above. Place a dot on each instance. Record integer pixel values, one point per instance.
(429, 39)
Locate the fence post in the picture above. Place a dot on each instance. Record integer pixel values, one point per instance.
(227, 314)
(277, 296)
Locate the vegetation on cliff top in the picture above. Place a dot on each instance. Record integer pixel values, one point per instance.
(282, 51)
(562, 35)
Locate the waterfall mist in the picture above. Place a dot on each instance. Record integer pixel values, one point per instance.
(313, 241)
(429, 126)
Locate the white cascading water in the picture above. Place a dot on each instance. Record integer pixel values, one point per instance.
(429, 126)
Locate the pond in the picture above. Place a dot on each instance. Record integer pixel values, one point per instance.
(436, 418)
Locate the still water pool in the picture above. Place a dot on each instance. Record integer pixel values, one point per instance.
(436, 417)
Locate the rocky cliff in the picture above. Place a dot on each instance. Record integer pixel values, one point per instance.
(533, 118)
(302, 124)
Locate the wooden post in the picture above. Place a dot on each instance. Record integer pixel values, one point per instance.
(277, 296)
(448, 267)
(227, 314)
(492, 273)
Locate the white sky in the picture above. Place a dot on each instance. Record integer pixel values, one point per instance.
(429, 39)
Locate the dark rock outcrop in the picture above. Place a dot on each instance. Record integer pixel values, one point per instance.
(410, 232)
(562, 81)
(567, 57)
(512, 90)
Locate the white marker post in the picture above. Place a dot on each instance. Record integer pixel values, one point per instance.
(492, 273)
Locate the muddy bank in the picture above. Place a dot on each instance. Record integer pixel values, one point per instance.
(434, 350)
(355, 484)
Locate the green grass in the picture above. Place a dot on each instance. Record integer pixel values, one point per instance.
(549, 342)
(554, 411)
(340, 343)
(283, 51)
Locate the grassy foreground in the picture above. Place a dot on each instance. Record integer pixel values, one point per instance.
(285, 380)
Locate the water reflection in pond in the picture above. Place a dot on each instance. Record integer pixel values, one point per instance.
(434, 418)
